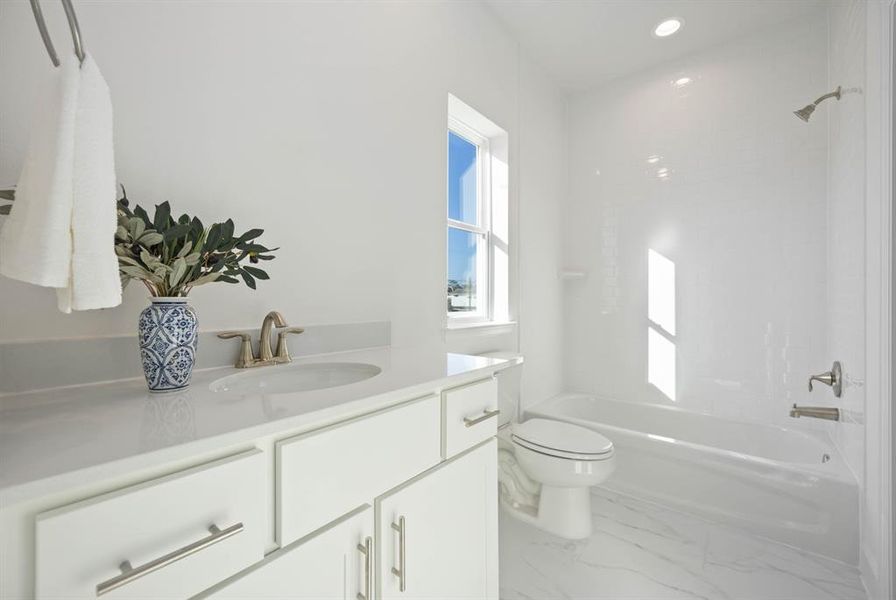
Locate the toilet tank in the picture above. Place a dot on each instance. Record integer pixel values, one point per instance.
(509, 380)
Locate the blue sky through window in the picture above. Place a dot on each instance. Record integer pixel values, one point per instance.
(462, 206)
(462, 182)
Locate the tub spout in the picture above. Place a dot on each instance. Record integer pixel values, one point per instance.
(816, 412)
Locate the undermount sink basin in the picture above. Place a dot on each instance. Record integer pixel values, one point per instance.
(284, 379)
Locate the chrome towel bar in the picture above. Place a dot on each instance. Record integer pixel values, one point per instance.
(72, 25)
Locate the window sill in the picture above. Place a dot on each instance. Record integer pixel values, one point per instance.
(480, 325)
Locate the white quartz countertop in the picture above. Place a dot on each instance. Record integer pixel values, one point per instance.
(66, 436)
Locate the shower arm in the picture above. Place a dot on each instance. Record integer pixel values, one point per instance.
(835, 94)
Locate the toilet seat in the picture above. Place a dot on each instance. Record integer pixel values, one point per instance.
(562, 440)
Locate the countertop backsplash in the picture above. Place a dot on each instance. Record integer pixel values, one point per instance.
(42, 364)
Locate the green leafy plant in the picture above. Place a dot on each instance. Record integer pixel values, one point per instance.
(172, 256)
(8, 195)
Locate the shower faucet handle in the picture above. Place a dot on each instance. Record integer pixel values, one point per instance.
(826, 378)
(832, 379)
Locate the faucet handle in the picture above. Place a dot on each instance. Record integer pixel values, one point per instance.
(226, 335)
(246, 358)
(832, 378)
(826, 378)
(282, 351)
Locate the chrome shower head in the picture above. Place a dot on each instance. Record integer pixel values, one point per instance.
(805, 112)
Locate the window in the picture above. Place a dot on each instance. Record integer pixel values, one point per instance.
(477, 218)
(468, 224)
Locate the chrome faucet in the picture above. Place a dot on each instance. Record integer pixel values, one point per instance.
(264, 342)
(816, 412)
(265, 355)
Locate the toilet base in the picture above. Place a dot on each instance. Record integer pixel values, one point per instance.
(565, 512)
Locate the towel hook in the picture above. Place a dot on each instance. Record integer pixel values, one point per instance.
(72, 25)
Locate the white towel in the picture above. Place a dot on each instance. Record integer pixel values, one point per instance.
(61, 231)
(36, 239)
(94, 281)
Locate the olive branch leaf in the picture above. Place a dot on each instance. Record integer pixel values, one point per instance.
(172, 256)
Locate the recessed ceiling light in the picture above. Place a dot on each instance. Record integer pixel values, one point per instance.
(667, 27)
(682, 81)
(653, 159)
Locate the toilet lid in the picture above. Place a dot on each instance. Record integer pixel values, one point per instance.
(557, 436)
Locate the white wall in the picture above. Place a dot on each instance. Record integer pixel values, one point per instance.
(543, 195)
(741, 213)
(322, 122)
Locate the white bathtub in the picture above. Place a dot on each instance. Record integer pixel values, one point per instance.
(781, 483)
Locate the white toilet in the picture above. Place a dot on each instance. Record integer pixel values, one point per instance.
(547, 467)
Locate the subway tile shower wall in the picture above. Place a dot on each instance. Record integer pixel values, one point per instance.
(702, 164)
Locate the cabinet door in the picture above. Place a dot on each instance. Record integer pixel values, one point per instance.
(448, 520)
(334, 564)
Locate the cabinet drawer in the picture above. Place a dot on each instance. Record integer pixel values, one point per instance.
(323, 474)
(162, 528)
(469, 415)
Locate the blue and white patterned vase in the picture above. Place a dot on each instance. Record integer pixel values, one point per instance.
(167, 332)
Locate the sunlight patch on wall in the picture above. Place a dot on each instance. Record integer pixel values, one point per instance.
(661, 352)
(661, 363)
(661, 291)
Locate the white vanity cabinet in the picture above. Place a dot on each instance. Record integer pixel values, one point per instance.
(397, 503)
(334, 564)
(437, 536)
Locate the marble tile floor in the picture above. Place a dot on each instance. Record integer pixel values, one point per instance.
(642, 551)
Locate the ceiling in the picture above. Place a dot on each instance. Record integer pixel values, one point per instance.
(584, 43)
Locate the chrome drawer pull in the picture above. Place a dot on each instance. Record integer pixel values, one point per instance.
(400, 572)
(129, 573)
(367, 551)
(486, 415)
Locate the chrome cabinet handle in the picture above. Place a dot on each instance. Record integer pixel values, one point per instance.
(401, 571)
(129, 573)
(367, 551)
(486, 415)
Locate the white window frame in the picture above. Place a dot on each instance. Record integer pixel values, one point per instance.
(484, 259)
